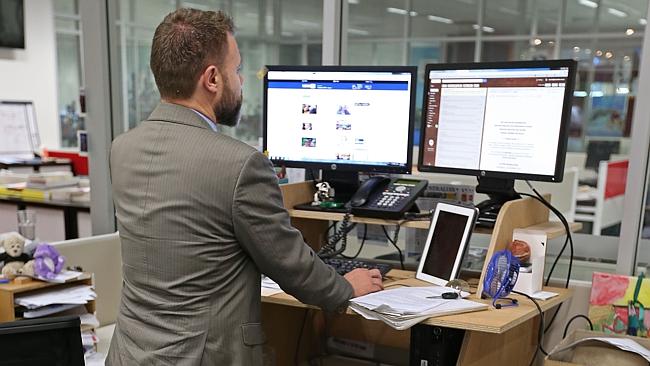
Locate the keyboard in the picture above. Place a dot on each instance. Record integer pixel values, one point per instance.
(343, 266)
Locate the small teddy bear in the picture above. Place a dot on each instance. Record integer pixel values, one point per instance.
(16, 262)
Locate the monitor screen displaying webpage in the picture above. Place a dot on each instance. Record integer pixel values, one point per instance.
(484, 120)
(337, 117)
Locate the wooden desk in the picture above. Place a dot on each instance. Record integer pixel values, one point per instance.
(492, 336)
(506, 336)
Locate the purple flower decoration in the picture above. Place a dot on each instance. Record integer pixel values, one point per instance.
(47, 261)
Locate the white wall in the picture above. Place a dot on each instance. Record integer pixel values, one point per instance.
(30, 74)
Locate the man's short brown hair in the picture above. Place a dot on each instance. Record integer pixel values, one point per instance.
(184, 43)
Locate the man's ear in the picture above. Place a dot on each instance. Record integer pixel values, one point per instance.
(212, 79)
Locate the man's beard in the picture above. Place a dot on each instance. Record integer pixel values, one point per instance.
(228, 111)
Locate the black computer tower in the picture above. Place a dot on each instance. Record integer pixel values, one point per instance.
(435, 346)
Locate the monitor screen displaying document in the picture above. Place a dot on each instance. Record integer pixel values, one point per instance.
(481, 119)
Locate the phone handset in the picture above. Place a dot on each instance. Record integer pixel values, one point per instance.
(368, 187)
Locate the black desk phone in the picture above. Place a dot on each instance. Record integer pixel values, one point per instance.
(386, 198)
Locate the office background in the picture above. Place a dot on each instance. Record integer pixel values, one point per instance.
(100, 48)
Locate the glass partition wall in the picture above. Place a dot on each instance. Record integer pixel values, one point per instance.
(604, 36)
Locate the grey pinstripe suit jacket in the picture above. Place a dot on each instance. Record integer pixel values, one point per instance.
(200, 216)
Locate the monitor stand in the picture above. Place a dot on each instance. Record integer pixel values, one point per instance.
(345, 184)
(500, 191)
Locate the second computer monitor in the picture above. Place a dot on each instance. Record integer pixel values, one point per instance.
(497, 120)
(350, 118)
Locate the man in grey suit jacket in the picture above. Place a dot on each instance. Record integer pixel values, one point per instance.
(200, 215)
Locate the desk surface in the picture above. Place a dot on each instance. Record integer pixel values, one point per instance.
(81, 206)
(490, 321)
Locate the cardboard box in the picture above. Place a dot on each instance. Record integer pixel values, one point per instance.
(594, 353)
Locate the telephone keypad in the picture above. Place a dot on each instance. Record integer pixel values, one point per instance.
(391, 199)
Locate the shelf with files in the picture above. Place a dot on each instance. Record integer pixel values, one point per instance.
(524, 213)
(9, 291)
(551, 228)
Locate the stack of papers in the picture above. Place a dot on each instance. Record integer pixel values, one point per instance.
(71, 295)
(75, 194)
(404, 307)
(61, 277)
(51, 180)
(625, 344)
(48, 310)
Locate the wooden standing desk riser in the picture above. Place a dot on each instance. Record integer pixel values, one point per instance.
(507, 336)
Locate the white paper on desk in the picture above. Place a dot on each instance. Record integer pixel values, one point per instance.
(403, 300)
(624, 344)
(543, 295)
(47, 310)
(62, 277)
(398, 324)
(269, 283)
(404, 307)
(401, 322)
(89, 320)
(269, 287)
(70, 295)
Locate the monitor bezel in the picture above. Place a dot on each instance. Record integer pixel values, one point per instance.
(470, 214)
(343, 166)
(564, 123)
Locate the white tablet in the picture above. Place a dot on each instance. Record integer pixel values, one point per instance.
(449, 233)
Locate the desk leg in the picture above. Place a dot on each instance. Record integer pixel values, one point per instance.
(70, 223)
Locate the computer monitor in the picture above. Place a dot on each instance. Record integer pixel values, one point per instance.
(499, 121)
(19, 137)
(341, 119)
(45, 341)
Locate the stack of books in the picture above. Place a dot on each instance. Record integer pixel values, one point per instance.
(58, 186)
(20, 190)
(51, 180)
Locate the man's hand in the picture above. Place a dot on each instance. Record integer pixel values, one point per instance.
(364, 281)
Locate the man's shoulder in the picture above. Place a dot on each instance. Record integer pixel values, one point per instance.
(123, 137)
(234, 144)
(207, 141)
